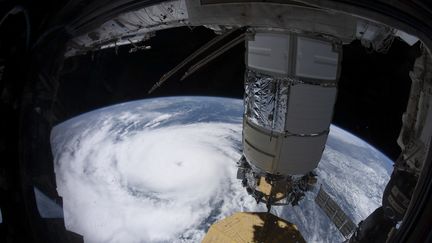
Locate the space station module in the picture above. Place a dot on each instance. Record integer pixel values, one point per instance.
(290, 92)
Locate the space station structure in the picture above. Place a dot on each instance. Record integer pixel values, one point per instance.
(290, 92)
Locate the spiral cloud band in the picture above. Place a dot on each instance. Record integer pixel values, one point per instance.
(164, 170)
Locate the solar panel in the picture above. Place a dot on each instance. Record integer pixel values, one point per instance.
(339, 218)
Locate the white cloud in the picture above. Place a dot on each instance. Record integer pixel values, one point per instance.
(130, 173)
(157, 185)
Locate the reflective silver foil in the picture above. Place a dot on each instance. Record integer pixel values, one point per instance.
(266, 100)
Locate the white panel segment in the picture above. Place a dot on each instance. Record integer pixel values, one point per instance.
(316, 59)
(260, 140)
(259, 148)
(257, 158)
(409, 39)
(310, 108)
(269, 53)
(299, 155)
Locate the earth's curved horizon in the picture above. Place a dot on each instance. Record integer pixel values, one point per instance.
(164, 170)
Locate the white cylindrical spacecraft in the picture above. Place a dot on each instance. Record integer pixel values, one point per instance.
(290, 92)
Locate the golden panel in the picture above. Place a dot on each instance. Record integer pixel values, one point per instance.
(277, 190)
(253, 227)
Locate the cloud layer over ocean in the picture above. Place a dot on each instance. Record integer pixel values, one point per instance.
(163, 170)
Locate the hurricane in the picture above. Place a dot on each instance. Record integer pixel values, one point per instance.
(164, 170)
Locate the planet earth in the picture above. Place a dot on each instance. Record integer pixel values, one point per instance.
(164, 170)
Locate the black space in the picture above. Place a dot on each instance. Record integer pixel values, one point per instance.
(373, 93)
(373, 88)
